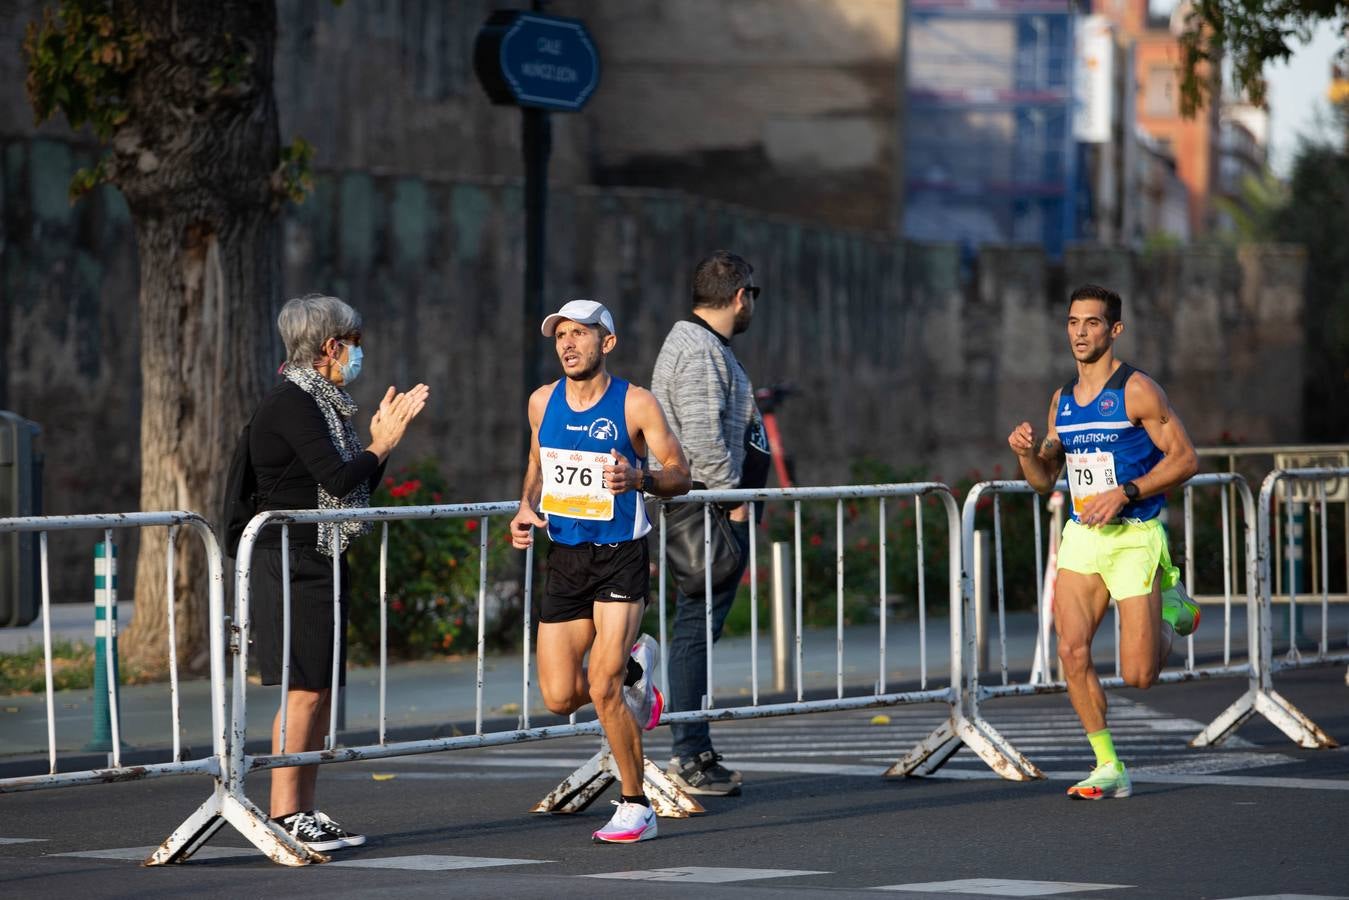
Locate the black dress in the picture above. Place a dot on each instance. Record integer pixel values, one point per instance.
(292, 454)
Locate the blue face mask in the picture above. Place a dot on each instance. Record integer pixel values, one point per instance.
(352, 367)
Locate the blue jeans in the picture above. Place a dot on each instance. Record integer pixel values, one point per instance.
(687, 654)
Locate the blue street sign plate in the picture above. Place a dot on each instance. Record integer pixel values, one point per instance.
(528, 59)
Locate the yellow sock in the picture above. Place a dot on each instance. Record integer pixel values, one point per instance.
(1103, 746)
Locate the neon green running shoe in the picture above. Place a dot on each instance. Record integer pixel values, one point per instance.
(1107, 781)
(1180, 610)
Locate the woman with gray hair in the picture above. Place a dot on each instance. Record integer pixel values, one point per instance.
(306, 453)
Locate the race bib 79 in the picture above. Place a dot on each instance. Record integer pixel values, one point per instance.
(1090, 474)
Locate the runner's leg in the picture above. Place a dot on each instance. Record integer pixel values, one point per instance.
(1080, 603)
(561, 654)
(1144, 639)
(616, 626)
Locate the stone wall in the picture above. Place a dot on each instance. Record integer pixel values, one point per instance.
(908, 354)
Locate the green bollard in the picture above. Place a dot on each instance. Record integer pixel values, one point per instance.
(105, 636)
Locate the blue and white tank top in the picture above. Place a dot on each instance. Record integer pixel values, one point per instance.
(1103, 448)
(573, 448)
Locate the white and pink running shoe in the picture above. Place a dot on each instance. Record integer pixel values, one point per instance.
(631, 823)
(644, 699)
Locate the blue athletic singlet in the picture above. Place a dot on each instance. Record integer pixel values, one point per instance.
(1111, 450)
(598, 429)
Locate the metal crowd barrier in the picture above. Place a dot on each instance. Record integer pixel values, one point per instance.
(1006, 683)
(230, 763)
(211, 764)
(1260, 696)
(230, 804)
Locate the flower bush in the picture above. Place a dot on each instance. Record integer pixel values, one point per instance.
(432, 580)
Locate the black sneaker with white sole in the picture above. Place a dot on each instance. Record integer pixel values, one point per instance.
(704, 775)
(348, 838)
(310, 831)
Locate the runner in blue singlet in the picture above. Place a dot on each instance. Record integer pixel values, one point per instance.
(1124, 447)
(591, 433)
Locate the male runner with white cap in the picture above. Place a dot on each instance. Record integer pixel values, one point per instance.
(591, 434)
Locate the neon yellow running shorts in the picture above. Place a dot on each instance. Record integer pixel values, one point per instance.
(1126, 556)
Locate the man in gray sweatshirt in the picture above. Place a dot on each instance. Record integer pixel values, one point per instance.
(709, 401)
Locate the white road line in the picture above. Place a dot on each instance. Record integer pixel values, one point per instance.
(704, 874)
(1292, 897)
(1247, 781)
(1002, 887)
(139, 853)
(5, 840)
(432, 863)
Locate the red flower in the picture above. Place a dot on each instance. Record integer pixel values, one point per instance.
(388, 482)
(435, 497)
(471, 524)
(397, 606)
(816, 540)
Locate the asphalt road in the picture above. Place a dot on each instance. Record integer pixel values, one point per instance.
(1258, 817)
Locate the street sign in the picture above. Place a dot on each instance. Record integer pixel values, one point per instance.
(1337, 489)
(538, 61)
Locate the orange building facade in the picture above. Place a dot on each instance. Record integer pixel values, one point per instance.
(1192, 142)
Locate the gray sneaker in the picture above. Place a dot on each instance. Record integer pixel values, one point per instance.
(704, 775)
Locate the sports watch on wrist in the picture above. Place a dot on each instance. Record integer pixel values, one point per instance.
(644, 485)
(1130, 490)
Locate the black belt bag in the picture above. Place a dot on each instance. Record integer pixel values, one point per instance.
(684, 547)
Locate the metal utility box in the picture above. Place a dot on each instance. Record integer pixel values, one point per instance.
(20, 495)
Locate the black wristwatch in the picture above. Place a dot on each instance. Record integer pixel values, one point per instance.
(1130, 490)
(644, 485)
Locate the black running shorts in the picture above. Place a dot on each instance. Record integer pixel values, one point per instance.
(585, 574)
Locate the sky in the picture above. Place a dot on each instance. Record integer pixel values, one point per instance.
(1297, 91)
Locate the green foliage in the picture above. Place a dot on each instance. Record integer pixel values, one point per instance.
(80, 62)
(295, 174)
(432, 577)
(1245, 35)
(1256, 210)
(1317, 217)
(25, 672)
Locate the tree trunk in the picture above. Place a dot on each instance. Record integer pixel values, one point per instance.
(196, 160)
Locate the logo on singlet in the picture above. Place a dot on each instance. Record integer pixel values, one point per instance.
(603, 430)
(1067, 409)
(1107, 404)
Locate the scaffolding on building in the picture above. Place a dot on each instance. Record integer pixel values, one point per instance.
(990, 154)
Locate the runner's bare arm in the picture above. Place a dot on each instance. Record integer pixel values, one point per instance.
(1041, 459)
(528, 517)
(647, 426)
(1146, 404)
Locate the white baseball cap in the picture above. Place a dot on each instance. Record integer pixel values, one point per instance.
(587, 312)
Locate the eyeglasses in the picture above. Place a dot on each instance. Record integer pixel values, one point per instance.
(354, 339)
(752, 290)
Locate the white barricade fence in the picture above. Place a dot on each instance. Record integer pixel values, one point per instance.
(214, 762)
(1006, 679)
(230, 804)
(1261, 696)
(962, 726)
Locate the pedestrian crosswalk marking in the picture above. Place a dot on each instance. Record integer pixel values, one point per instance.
(433, 863)
(704, 874)
(1002, 887)
(5, 840)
